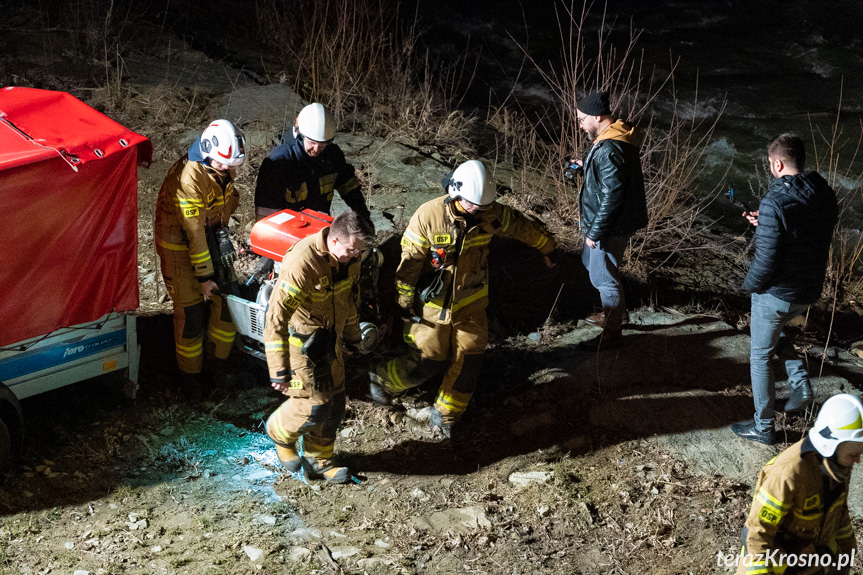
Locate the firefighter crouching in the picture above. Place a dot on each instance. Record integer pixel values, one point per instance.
(312, 314)
(442, 284)
(799, 522)
(198, 193)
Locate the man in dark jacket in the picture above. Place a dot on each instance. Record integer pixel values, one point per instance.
(613, 207)
(306, 169)
(795, 222)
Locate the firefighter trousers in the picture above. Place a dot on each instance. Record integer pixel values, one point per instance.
(315, 408)
(192, 317)
(454, 350)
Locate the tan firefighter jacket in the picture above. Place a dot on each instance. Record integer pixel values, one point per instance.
(439, 230)
(193, 196)
(789, 513)
(308, 295)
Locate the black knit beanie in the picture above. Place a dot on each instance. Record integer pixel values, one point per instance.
(595, 104)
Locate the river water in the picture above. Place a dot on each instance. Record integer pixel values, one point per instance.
(778, 65)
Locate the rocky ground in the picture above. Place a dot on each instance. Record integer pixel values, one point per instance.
(572, 462)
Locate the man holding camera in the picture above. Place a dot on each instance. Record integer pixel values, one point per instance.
(442, 284)
(794, 228)
(312, 314)
(613, 207)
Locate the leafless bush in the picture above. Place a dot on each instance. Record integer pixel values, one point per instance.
(355, 57)
(670, 154)
(98, 29)
(845, 270)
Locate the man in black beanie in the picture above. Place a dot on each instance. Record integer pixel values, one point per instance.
(613, 207)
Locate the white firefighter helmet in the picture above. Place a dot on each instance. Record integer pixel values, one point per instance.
(472, 182)
(840, 420)
(315, 123)
(222, 142)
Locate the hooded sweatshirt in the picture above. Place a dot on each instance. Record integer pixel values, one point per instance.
(792, 241)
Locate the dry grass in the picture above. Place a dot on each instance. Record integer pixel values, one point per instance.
(359, 61)
(845, 271)
(671, 154)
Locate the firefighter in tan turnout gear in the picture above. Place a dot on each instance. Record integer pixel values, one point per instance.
(198, 193)
(799, 521)
(312, 315)
(442, 284)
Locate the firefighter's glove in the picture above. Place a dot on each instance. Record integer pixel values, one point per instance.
(229, 259)
(227, 254)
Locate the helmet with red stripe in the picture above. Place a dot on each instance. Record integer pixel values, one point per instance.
(223, 143)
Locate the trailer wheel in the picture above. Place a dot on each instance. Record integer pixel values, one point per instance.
(5, 450)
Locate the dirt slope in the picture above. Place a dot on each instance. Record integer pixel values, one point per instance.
(571, 462)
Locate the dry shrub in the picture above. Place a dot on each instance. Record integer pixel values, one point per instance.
(845, 269)
(98, 29)
(670, 153)
(355, 57)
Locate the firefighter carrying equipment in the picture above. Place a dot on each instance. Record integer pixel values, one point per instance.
(222, 142)
(452, 336)
(797, 508)
(472, 182)
(840, 419)
(192, 197)
(314, 292)
(439, 223)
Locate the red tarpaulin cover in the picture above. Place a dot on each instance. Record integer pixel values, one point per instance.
(68, 213)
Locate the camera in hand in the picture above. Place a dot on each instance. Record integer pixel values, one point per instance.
(571, 170)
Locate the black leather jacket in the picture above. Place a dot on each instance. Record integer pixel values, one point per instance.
(612, 200)
(289, 178)
(792, 241)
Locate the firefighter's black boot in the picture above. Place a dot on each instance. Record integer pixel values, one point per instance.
(325, 469)
(218, 374)
(192, 387)
(289, 458)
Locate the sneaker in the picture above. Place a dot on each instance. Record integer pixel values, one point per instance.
(603, 341)
(598, 319)
(748, 430)
(438, 423)
(800, 399)
(324, 469)
(289, 458)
